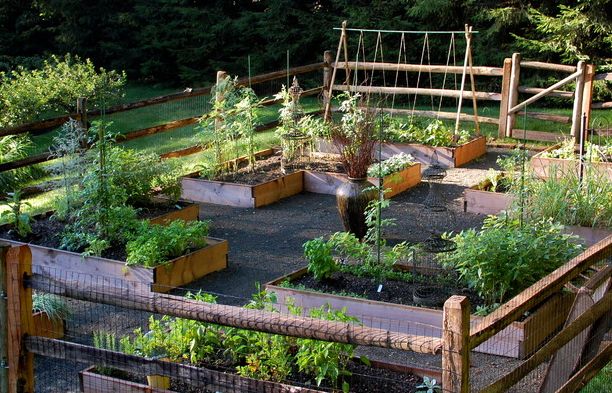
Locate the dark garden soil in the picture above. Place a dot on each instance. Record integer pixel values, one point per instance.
(158, 209)
(266, 243)
(392, 291)
(269, 168)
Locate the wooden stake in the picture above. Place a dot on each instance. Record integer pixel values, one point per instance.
(468, 36)
(3, 323)
(577, 111)
(503, 105)
(456, 349)
(21, 365)
(327, 114)
(513, 92)
(465, 64)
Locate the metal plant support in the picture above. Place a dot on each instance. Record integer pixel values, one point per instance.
(296, 146)
(439, 214)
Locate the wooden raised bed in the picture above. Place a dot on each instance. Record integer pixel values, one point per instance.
(241, 195)
(518, 340)
(476, 200)
(189, 212)
(175, 273)
(91, 382)
(327, 183)
(543, 166)
(448, 157)
(47, 327)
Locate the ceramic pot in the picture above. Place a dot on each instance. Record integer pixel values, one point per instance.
(352, 202)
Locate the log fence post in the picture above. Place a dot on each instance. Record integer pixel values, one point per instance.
(577, 110)
(3, 323)
(513, 92)
(456, 348)
(503, 105)
(18, 264)
(587, 95)
(327, 76)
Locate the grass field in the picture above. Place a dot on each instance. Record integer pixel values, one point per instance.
(184, 137)
(601, 383)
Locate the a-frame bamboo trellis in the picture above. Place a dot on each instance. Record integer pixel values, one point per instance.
(364, 65)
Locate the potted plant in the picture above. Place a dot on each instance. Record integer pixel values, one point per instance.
(49, 315)
(354, 140)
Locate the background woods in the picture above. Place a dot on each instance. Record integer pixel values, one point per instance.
(187, 40)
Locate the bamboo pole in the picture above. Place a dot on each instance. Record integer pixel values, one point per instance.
(503, 105)
(3, 322)
(577, 110)
(513, 93)
(456, 348)
(259, 320)
(20, 324)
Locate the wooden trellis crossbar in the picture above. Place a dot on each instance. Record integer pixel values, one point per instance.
(418, 90)
(437, 69)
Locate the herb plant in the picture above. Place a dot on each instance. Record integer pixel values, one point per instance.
(52, 305)
(435, 133)
(429, 385)
(15, 216)
(157, 244)
(320, 261)
(393, 164)
(593, 152)
(504, 257)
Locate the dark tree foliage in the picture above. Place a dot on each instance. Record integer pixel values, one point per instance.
(186, 41)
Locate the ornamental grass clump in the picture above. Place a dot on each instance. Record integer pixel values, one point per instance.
(504, 257)
(354, 136)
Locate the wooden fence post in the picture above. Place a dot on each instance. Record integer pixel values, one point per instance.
(503, 105)
(577, 111)
(327, 73)
(3, 323)
(587, 95)
(19, 305)
(456, 348)
(513, 91)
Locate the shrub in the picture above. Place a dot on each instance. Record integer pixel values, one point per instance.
(504, 257)
(157, 244)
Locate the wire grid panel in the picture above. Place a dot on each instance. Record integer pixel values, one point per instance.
(94, 329)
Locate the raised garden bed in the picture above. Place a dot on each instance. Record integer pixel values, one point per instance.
(47, 327)
(543, 166)
(180, 211)
(91, 382)
(448, 157)
(328, 183)
(268, 192)
(177, 272)
(488, 202)
(518, 340)
(477, 200)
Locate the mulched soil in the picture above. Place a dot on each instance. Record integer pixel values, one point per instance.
(393, 291)
(269, 168)
(158, 209)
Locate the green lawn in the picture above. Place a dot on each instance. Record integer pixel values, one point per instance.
(601, 383)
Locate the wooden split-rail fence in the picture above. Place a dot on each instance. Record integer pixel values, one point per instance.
(574, 354)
